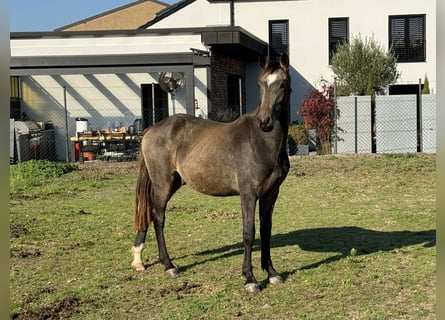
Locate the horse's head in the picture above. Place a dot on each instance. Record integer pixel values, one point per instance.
(274, 83)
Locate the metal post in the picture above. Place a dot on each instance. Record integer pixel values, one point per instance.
(420, 116)
(67, 153)
(335, 115)
(240, 85)
(153, 103)
(355, 125)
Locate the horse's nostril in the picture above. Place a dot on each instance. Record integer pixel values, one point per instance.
(266, 124)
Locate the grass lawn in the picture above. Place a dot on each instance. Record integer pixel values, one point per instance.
(353, 237)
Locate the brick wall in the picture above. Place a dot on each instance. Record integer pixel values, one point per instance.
(221, 67)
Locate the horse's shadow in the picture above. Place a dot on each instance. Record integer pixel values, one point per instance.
(337, 240)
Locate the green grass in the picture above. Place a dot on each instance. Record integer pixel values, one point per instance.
(353, 237)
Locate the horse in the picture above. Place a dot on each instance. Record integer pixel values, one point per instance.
(246, 157)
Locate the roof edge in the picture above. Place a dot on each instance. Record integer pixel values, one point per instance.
(167, 12)
(130, 32)
(102, 14)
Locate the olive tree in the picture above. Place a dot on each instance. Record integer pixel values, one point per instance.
(363, 67)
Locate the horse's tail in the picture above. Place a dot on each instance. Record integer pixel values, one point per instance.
(143, 201)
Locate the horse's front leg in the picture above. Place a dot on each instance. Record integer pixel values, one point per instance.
(137, 249)
(267, 203)
(248, 203)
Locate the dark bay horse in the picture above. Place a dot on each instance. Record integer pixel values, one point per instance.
(246, 157)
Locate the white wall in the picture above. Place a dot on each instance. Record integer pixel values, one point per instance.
(308, 32)
(200, 89)
(90, 45)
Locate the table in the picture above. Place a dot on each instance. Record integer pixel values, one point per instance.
(109, 146)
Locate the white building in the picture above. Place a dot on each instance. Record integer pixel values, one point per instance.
(109, 76)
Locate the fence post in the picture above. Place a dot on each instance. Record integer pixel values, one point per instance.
(420, 135)
(67, 153)
(355, 124)
(335, 115)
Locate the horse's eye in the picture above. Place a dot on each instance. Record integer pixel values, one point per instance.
(283, 84)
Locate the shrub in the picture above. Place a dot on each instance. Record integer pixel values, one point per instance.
(363, 67)
(298, 134)
(317, 111)
(426, 85)
(35, 171)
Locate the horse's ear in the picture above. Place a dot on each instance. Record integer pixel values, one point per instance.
(284, 61)
(262, 61)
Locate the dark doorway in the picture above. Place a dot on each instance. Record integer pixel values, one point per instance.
(234, 91)
(154, 104)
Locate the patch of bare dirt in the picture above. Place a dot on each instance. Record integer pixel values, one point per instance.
(18, 230)
(25, 254)
(62, 309)
(78, 245)
(181, 290)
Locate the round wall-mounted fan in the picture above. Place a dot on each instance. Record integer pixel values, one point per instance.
(171, 81)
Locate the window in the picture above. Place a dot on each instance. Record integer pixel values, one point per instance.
(407, 37)
(278, 38)
(338, 33)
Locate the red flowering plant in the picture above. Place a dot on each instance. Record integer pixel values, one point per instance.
(317, 111)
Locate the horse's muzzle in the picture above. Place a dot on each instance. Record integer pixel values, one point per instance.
(267, 124)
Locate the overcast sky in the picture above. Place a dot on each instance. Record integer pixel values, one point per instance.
(47, 15)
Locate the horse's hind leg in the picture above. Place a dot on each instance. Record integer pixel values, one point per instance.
(267, 203)
(160, 198)
(158, 223)
(137, 249)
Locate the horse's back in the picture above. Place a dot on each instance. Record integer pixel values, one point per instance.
(198, 150)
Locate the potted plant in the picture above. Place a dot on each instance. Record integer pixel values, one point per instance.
(298, 139)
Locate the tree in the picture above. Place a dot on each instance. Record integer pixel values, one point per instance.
(426, 85)
(316, 111)
(363, 67)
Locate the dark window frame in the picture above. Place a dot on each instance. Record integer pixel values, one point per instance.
(278, 41)
(337, 34)
(407, 37)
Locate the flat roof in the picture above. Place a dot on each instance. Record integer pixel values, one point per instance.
(229, 40)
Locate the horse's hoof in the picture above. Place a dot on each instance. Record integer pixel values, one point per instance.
(275, 280)
(173, 272)
(252, 287)
(138, 266)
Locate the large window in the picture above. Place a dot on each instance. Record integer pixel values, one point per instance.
(407, 37)
(278, 38)
(338, 33)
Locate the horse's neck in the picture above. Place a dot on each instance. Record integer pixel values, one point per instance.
(283, 120)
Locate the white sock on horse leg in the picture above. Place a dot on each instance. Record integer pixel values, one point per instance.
(137, 263)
